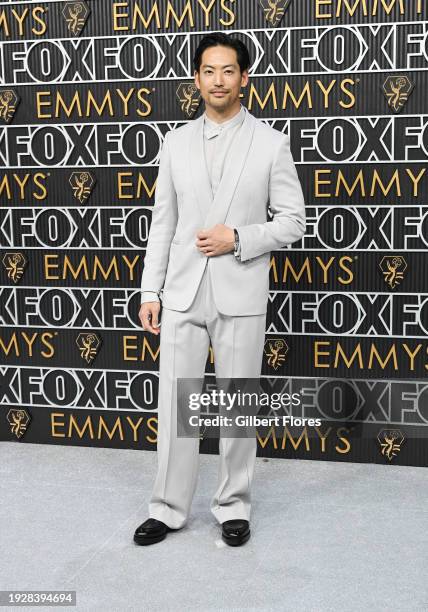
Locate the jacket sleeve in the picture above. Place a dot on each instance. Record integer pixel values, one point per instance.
(287, 204)
(149, 296)
(162, 227)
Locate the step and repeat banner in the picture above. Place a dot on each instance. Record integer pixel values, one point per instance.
(88, 91)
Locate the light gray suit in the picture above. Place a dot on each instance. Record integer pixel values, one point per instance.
(216, 299)
(261, 171)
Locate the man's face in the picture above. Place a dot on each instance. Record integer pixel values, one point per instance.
(219, 78)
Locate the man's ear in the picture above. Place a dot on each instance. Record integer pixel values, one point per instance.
(196, 77)
(244, 78)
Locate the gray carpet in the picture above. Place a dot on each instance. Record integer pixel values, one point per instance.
(325, 535)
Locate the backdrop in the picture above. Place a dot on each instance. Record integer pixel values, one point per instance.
(88, 91)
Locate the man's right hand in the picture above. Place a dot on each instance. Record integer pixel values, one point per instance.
(149, 316)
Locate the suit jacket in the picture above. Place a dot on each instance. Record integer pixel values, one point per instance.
(259, 173)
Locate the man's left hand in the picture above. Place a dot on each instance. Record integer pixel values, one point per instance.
(217, 240)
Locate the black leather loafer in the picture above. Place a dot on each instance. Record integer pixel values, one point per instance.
(150, 532)
(235, 532)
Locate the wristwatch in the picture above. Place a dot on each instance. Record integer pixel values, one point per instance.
(237, 251)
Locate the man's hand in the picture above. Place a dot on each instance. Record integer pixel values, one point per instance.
(149, 313)
(216, 241)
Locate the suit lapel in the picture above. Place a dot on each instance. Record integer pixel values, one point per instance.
(198, 168)
(214, 210)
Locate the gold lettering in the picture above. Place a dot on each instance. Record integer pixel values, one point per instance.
(322, 437)
(344, 440)
(348, 362)
(412, 354)
(55, 423)
(229, 11)
(80, 432)
(295, 445)
(342, 265)
(103, 426)
(317, 363)
(135, 427)
(304, 268)
(324, 267)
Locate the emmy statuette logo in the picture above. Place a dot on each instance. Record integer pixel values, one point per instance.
(390, 441)
(9, 100)
(18, 420)
(275, 350)
(76, 15)
(14, 264)
(189, 98)
(393, 267)
(274, 10)
(89, 345)
(397, 90)
(82, 184)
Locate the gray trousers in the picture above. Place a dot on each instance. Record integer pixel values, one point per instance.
(237, 343)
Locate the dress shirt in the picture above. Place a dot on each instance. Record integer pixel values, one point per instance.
(217, 140)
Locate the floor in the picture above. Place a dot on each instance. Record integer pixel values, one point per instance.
(326, 536)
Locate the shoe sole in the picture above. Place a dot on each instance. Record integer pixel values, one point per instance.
(144, 540)
(234, 541)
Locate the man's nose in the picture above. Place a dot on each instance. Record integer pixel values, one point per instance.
(219, 80)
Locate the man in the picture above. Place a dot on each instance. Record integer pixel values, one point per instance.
(207, 258)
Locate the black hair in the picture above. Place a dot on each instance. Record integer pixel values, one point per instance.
(221, 38)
